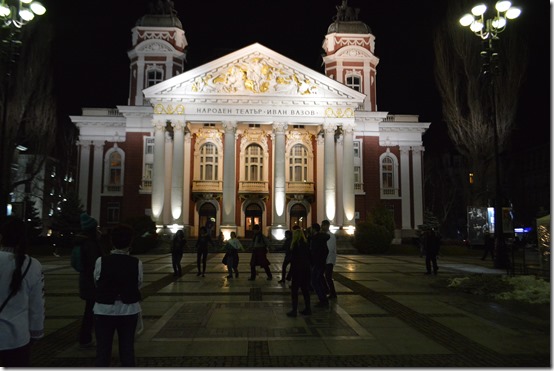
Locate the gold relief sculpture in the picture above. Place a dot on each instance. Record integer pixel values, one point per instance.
(254, 74)
(161, 109)
(339, 112)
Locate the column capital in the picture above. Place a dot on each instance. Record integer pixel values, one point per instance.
(280, 127)
(98, 145)
(320, 140)
(229, 126)
(404, 150)
(329, 128)
(348, 127)
(178, 125)
(159, 125)
(340, 139)
(418, 149)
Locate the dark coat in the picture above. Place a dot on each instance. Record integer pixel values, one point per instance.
(300, 260)
(259, 251)
(90, 251)
(319, 249)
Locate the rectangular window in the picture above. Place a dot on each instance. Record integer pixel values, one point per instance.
(114, 211)
(149, 145)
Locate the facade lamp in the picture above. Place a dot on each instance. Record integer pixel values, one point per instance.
(18, 12)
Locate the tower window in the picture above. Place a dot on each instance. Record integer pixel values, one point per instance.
(354, 82)
(154, 76)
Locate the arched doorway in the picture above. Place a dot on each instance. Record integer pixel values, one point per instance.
(207, 215)
(253, 214)
(298, 216)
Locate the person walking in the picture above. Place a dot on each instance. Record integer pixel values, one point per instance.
(286, 260)
(331, 259)
(319, 252)
(21, 296)
(432, 244)
(177, 248)
(300, 261)
(259, 254)
(118, 278)
(232, 247)
(202, 250)
(90, 251)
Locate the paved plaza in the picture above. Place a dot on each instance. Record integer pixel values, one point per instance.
(388, 313)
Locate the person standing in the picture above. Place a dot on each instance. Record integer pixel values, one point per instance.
(232, 251)
(21, 296)
(331, 259)
(90, 251)
(489, 244)
(286, 260)
(319, 252)
(259, 254)
(177, 249)
(118, 278)
(432, 244)
(202, 250)
(300, 261)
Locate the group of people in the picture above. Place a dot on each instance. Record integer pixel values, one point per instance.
(109, 284)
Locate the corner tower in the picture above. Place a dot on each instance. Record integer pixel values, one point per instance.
(158, 49)
(349, 53)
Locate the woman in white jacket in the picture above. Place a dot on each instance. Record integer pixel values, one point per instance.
(21, 296)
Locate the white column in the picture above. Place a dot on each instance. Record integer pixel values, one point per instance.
(168, 168)
(279, 191)
(178, 169)
(329, 172)
(229, 174)
(417, 174)
(348, 199)
(98, 161)
(338, 180)
(84, 166)
(187, 163)
(320, 192)
(158, 172)
(405, 187)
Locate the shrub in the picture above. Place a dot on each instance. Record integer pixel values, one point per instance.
(145, 234)
(376, 233)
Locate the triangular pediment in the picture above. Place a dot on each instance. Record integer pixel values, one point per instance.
(254, 72)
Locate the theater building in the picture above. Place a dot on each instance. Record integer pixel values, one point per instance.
(250, 138)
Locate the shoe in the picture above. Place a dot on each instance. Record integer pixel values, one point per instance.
(281, 281)
(306, 312)
(322, 304)
(269, 278)
(292, 313)
(92, 344)
(198, 274)
(251, 279)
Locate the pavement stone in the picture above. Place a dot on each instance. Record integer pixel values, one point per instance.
(387, 314)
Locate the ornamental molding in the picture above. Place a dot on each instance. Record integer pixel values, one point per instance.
(166, 35)
(295, 137)
(339, 112)
(254, 136)
(355, 52)
(155, 46)
(169, 109)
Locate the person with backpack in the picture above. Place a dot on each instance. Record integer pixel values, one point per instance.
(259, 254)
(21, 296)
(231, 258)
(118, 278)
(90, 250)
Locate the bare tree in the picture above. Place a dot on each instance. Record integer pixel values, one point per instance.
(28, 108)
(467, 95)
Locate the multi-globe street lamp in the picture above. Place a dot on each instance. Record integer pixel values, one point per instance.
(14, 14)
(487, 26)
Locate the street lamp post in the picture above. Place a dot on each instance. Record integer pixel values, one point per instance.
(488, 29)
(14, 14)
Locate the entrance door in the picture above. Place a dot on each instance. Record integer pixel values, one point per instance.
(253, 215)
(207, 214)
(298, 216)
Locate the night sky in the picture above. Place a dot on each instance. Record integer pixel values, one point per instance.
(92, 38)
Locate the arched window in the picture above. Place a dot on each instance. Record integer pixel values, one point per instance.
(389, 175)
(253, 163)
(298, 164)
(354, 82)
(113, 170)
(154, 76)
(208, 162)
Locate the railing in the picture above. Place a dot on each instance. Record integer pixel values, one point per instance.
(113, 188)
(146, 186)
(253, 187)
(207, 186)
(300, 187)
(389, 192)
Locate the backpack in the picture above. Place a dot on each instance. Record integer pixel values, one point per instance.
(76, 258)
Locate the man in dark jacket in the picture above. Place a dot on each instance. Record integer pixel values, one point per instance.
(90, 251)
(319, 252)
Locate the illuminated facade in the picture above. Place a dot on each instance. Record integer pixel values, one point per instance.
(250, 138)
